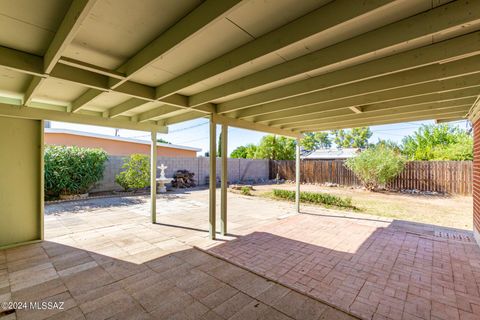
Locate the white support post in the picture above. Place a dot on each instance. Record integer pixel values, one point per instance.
(297, 176)
(153, 176)
(213, 178)
(223, 204)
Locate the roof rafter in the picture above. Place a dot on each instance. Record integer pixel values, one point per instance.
(384, 112)
(76, 14)
(431, 73)
(170, 101)
(424, 115)
(205, 14)
(390, 104)
(184, 116)
(124, 107)
(419, 27)
(252, 126)
(328, 16)
(195, 21)
(37, 113)
(27, 63)
(156, 113)
(449, 49)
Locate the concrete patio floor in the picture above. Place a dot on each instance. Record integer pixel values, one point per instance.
(105, 260)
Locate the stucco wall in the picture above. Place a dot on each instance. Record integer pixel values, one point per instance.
(238, 170)
(20, 183)
(113, 147)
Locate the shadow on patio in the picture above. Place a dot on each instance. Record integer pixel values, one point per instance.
(372, 268)
(184, 284)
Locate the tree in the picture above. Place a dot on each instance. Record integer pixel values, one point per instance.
(239, 153)
(219, 147)
(354, 138)
(251, 149)
(276, 148)
(389, 144)
(245, 152)
(438, 142)
(136, 173)
(376, 166)
(315, 140)
(161, 140)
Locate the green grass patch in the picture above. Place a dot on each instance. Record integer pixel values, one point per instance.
(245, 191)
(324, 199)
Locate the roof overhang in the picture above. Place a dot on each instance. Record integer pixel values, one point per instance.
(284, 67)
(116, 138)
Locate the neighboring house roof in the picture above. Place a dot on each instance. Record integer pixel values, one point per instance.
(333, 153)
(132, 140)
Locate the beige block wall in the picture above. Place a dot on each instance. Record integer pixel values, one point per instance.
(245, 170)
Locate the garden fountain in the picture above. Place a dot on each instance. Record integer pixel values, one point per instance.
(162, 180)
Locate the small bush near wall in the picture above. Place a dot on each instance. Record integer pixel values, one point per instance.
(315, 197)
(136, 173)
(72, 170)
(376, 166)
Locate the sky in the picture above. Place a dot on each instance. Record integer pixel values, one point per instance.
(196, 133)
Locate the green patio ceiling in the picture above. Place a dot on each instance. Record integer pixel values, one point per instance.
(284, 66)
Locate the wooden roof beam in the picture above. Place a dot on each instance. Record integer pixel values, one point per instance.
(419, 27)
(156, 113)
(392, 105)
(76, 14)
(459, 47)
(439, 106)
(195, 21)
(419, 76)
(253, 126)
(326, 17)
(202, 16)
(356, 109)
(88, 119)
(458, 111)
(454, 115)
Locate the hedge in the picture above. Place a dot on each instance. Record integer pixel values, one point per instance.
(315, 197)
(72, 170)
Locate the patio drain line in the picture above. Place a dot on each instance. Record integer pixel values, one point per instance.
(445, 236)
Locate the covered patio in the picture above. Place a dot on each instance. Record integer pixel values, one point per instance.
(105, 260)
(283, 67)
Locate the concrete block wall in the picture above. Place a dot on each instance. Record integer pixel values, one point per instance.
(239, 170)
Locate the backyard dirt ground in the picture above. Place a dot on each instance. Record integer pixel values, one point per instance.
(442, 210)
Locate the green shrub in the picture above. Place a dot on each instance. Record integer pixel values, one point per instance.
(245, 191)
(376, 166)
(315, 197)
(72, 170)
(136, 173)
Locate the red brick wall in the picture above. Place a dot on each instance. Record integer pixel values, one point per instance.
(476, 175)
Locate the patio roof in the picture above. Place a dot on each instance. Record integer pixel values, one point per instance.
(284, 67)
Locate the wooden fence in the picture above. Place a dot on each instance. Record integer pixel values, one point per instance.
(454, 177)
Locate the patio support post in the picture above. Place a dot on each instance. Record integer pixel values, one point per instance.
(223, 204)
(297, 176)
(153, 176)
(213, 178)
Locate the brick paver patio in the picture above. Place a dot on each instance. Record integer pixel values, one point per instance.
(105, 260)
(373, 269)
